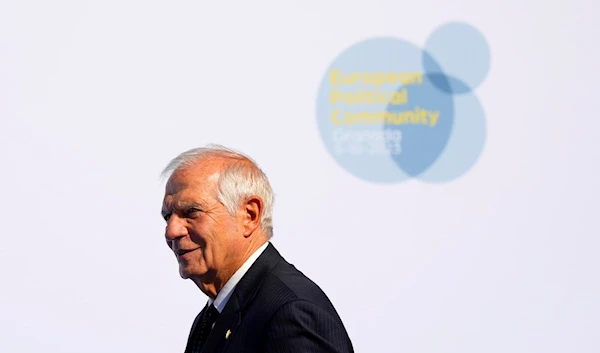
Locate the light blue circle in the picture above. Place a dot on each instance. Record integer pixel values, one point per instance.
(372, 55)
(466, 141)
(462, 53)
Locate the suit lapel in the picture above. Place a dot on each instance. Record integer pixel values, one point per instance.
(193, 332)
(229, 320)
(248, 286)
(231, 317)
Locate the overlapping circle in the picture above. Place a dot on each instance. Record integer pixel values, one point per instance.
(388, 110)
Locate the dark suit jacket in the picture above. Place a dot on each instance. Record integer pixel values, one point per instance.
(275, 308)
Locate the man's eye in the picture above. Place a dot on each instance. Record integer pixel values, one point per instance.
(191, 212)
(166, 217)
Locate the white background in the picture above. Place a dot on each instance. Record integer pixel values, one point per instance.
(97, 96)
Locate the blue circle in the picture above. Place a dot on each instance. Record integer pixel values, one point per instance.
(461, 54)
(465, 144)
(363, 147)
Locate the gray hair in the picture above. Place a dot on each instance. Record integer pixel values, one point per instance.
(237, 181)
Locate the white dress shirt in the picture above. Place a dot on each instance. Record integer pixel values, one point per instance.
(225, 293)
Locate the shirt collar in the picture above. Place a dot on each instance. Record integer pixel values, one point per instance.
(225, 293)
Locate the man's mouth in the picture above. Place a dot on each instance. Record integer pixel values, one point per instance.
(182, 252)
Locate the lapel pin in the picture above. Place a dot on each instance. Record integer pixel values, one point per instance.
(227, 334)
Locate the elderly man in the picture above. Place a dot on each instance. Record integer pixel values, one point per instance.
(218, 207)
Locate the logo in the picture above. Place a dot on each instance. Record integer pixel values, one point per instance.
(388, 110)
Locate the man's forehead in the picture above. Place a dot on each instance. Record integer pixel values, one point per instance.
(187, 197)
(191, 185)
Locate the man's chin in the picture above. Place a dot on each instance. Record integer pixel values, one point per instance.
(184, 273)
(190, 272)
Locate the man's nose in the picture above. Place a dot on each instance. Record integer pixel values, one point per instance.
(175, 228)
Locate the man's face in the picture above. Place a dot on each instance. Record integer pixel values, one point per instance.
(199, 230)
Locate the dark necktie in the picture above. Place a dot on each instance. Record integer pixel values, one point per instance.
(209, 317)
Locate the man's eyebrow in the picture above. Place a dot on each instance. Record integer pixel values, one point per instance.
(166, 206)
(192, 204)
(182, 206)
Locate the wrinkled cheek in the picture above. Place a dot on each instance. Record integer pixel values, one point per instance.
(195, 234)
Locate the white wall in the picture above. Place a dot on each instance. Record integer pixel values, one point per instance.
(97, 96)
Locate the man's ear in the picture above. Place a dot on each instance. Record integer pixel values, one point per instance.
(252, 213)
